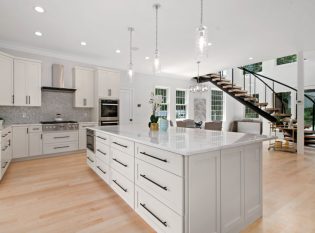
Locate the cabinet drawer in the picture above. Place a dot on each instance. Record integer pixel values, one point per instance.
(6, 135)
(123, 145)
(103, 138)
(102, 169)
(123, 187)
(156, 214)
(123, 163)
(166, 160)
(102, 152)
(60, 137)
(165, 186)
(60, 147)
(35, 129)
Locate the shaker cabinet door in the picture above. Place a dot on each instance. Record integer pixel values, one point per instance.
(6, 80)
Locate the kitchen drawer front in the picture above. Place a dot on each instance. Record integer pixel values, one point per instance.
(156, 214)
(123, 145)
(6, 135)
(60, 147)
(103, 138)
(123, 187)
(91, 162)
(60, 137)
(166, 187)
(102, 169)
(35, 129)
(123, 163)
(166, 160)
(102, 152)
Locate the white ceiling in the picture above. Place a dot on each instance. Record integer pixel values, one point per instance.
(262, 29)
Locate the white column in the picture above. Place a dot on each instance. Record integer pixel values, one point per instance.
(300, 103)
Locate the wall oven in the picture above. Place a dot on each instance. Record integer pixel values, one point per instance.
(108, 112)
(90, 140)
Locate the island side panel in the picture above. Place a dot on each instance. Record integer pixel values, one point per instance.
(203, 193)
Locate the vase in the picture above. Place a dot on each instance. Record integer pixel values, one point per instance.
(163, 124)
(154, 126)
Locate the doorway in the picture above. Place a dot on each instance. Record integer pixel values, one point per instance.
(125, 109)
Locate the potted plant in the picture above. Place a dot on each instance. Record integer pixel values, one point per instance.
(155, 101)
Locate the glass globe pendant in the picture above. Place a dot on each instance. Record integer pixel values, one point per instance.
(156, 62)
(130, 70)
(201, 37)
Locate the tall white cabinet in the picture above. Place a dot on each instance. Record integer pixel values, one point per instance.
(83, 81)
(6, 79)
(107, 83)
(27, 82)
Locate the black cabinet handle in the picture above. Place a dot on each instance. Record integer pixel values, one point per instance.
(117, 161)
(61, 137)
(101, 170)
(5, 164)
(102, 138)
(153, 182)
(151, 156)
(125, 190)
(90, 159)
(101, 152)
(120, 145)
(146, 208)
(61, 147)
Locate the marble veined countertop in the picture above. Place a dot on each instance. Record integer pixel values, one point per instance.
(184, 141)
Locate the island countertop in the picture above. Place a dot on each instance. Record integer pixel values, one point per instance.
(184, 141)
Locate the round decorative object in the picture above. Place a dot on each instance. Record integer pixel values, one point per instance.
(163, 124)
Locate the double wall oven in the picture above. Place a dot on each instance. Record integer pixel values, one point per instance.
(108, 112)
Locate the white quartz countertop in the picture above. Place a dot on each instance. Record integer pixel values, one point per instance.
(184, 141)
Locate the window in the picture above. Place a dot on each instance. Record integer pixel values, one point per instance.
(249, 113)
(256, 67)
(180, 104)
(286, 60)
(308, 108)
(163, 108)
(217, 105)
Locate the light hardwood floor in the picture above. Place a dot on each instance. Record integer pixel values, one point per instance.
(62, 195)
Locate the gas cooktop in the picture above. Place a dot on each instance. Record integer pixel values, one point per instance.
(58, 122)
(60, 125)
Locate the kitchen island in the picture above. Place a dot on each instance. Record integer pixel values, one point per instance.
(183, 180)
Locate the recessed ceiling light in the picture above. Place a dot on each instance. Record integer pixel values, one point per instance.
(38, 33)
(209, 44)
(250, 58)
(39, 9)
(117, 51)
(83, 43)
(147, 58)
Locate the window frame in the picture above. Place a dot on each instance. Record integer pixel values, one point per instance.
(223, 105)
(245, 107)
(166, 102)
(185, 104)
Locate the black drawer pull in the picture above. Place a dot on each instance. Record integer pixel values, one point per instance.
(101, 152)
(61, 147)
(101, 170)
(146, 208)
(153, 182)
(61, 137)
(5, 164)
(120, 145)
(125, 190)
(102, 138)
(5, 148)
(151, 156)
(117, 161)
(92, 161)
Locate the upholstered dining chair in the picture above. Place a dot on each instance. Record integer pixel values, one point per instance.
(214, 125)
(181, 124)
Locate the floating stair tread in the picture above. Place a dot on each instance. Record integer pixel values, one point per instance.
(219, 79)
(224, 82)
(231, 87)
(309, 132)
(309, 137)
(237, 90)
(214, 75)
(282, 115)
(240, 95)
(251, 99)
(262, 104)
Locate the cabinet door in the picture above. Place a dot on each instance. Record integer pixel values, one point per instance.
(6, 80)
(20, 141)
(82, 139)
(108, 84)
(84, 83)
(232, 190)
(20, 86)
(253, 182)
(35, 144)
(34, 83)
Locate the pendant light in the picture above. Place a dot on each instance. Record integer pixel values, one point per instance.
(198, 87)
(157, 62)
(130, 70)
(201, 36)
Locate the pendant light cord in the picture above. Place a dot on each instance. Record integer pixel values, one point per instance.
(198, 63)
(130, 47)
(201, 15)
(156, 26)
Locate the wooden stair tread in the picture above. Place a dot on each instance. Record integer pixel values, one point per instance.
(309, 132)
(309, 137)
(219, 79)
(251, 99)
(224, 82)
(230, 86)
(240, 95)
(237, 90)
(273, 109)
(214, 75)
(262, 104)
(282, 115)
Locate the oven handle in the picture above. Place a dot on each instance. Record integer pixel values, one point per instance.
(110, 104)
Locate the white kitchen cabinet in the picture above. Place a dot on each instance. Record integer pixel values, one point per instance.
(107, 83)
(27, 82)
(35, 140)
(6, 79)
(20, 141)
(5, 150)
(83, 81)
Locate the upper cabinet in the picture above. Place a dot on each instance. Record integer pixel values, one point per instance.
(6, 79)
(27, 82)
(107, 83)
(83, 81)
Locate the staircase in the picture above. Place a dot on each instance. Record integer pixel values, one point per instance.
(275, 113)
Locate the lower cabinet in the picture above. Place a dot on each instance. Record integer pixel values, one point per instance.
(60, 142)
(5, 150)
(20, 142)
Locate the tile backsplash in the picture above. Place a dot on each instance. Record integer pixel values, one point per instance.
(52, 103)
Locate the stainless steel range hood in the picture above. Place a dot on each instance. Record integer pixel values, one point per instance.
(58, 82)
